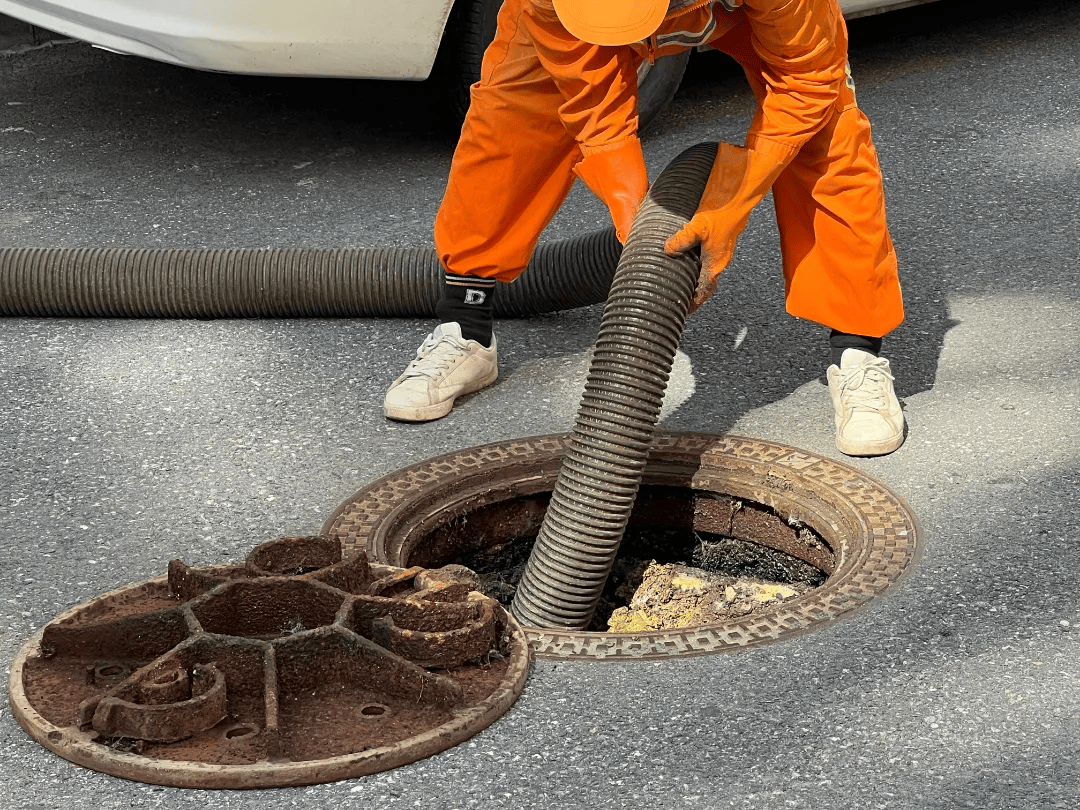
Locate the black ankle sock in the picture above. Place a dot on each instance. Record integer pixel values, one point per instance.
(838, 341)
(468, 301)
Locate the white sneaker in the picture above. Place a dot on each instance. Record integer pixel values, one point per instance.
(869, 421)
(446, 367)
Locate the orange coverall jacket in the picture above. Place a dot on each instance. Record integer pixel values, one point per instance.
(549, 107)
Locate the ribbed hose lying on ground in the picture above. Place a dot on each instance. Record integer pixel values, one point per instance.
(632, 358)
(634, 351)
(295, 283)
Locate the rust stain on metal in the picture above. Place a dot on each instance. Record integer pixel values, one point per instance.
(294, 667)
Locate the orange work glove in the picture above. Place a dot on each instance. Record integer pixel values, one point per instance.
(616, 174)
(739, 179)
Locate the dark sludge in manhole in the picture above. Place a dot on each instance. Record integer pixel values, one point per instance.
(671, 578)
(799, 522)
(298, 666)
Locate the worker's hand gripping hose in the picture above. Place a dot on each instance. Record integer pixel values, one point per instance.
(639, 335)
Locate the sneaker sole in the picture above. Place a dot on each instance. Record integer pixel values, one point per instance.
(437, 410)
(881, 447)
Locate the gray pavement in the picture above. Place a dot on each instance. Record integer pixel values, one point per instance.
(124, 444)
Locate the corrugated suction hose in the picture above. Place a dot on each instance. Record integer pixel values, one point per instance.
(632, 358)
(386, 282)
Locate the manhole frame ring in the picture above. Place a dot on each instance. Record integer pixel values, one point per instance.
(766, 472)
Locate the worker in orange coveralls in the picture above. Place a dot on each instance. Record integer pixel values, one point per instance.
(557, 99)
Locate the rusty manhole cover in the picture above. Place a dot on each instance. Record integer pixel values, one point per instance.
(294, 668)
(834, 517)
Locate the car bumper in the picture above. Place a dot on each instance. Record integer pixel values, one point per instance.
(333, 38)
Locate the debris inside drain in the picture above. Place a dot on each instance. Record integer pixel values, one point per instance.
(667, 578)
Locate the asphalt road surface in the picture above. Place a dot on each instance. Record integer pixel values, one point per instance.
(124, 444)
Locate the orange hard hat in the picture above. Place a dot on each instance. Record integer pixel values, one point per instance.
(611, 22)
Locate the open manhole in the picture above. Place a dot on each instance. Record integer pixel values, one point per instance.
(838, 537)
(296, 667)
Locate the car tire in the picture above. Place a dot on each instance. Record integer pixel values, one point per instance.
(471, 28)
(657, 85)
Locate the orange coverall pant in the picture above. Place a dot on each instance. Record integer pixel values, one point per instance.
(514, 162)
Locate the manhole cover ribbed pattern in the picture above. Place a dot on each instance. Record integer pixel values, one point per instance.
(871, 533)
(295, 668)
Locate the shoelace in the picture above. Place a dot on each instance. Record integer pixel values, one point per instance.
(864, 386)
(433, 356)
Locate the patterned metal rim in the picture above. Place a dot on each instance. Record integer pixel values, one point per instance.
(872, 532)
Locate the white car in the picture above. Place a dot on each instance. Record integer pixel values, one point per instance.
(368, 39)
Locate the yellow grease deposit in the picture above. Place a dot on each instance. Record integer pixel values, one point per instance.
(673, 596)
